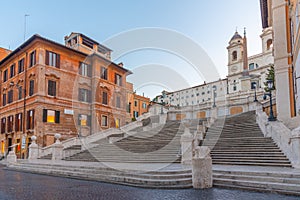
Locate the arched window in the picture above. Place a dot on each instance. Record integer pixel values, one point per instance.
(234, 56)
(269, 44)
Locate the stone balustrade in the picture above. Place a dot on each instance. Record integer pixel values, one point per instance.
(287, 140)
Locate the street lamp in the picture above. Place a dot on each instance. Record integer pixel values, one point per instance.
(255, 97)
(162, 103)
(270, 87)
(214, 96)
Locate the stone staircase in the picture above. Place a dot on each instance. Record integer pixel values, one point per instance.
(163, 179)
(157, 145)
(239, 141)
(262, 179)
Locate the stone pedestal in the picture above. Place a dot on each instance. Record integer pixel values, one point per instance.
(11, 157)
(186, 141)
(57, 149)
(33, 149)
(214, 114)
(202, 168)
(295, 142)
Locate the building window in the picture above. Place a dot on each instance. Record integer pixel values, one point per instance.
(129, 108)
(84, 120)
(51, 116)
(20, 92)
(144, 105)
(85, 69)
(135, 103)
(52, 59)
(3, 125)
(52, 88)
(234, 88)
(251, 66)
(32, 59)
(21, 65)
(104, 120)
(31, 87)
(10, 95)
(104, 98)
(117, 122)
(269, 44)
(19, 122)
(135, 114)
(234, 55)
(118, 102)
(104, 73)
(30, 119)
(10, 123)
(87, 42)
(12, 70)
(118, 79)
(5, 75)
(4, 99)
(84, 95)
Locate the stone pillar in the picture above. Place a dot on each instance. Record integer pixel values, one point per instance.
(57, 148)
(281, 60)
(295, 142)
(11, 157)
(33, 149)
(186, 141)
(202, 168)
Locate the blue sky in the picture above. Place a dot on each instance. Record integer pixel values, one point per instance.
(210, 24)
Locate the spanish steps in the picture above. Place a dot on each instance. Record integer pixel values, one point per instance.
(242, 158)
(238, 140)
(157, 145)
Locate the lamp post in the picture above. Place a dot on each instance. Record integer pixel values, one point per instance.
(80, 119)
(162, 103)
(270, 87)
(255, 97)
(214, 96)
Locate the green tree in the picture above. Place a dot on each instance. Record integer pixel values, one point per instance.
(270, 77)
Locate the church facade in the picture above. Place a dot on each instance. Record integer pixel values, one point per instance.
(243, 84)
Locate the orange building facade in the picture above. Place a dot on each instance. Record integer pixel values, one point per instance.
(48, 88)
(137, 104)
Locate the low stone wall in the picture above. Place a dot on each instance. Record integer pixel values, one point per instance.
(287, 140)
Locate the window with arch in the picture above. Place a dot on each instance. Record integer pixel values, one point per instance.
(234, 55)
(269, 44)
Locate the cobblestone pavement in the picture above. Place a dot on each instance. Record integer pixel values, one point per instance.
(19, 185)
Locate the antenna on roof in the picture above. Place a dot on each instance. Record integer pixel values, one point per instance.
(25, 16)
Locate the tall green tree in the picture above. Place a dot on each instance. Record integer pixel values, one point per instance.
(270, 77)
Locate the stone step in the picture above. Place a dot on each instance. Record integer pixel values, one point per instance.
(253, 163)
(134, 179)
(292, 189)
(247, 157)
(258, 178)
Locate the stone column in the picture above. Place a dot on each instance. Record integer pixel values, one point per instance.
(186, 141)
(33, 149)
(295, 142)
(202, 168)
(57, 148)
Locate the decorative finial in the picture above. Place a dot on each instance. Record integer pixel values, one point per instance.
(244, 31)
(236, 29)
